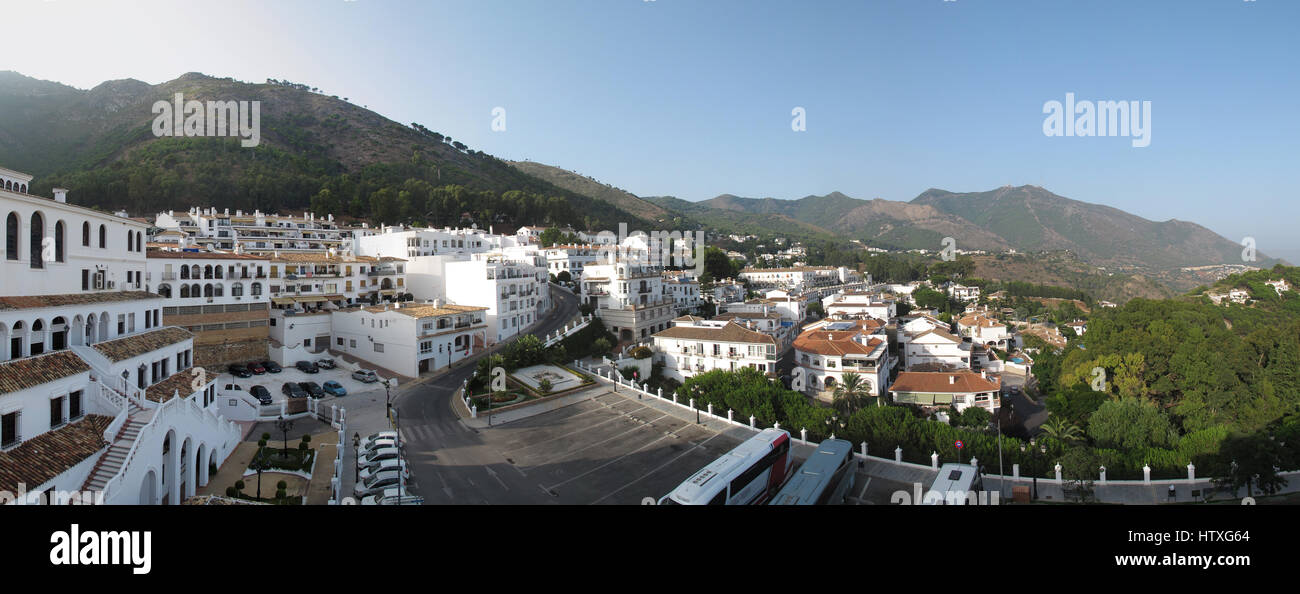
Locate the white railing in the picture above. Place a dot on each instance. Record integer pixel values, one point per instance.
(119, 421)
(568, 330)
(115, 384)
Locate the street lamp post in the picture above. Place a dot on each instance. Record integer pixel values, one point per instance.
(356, 453)
(284, 426)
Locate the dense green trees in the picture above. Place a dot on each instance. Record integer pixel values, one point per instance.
(1130, 423)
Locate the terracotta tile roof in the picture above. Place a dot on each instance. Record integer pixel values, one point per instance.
(749, 315)
(688, 318)
(176, 255)
(427, 311)
(182, 382)
(35, 301)
(731, 332)
(978, 320)
(835, 343)
(794, 269)
(955, 382)
(52, 453)
(26, 373)
(127, 347)
(942, 332)
(325, 257)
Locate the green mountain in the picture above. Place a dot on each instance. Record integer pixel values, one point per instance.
(100, 144)
(587, 186)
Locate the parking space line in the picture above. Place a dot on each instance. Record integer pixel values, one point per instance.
(569, 454)
(660, 467)
(579, 430)
(657, 440)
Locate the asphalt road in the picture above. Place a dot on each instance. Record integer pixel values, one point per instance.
(450, 462)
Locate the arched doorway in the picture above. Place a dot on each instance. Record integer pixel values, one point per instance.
(58, 334)
(149, 489)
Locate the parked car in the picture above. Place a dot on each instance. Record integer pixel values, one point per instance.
(379, 455)
(393, 496)
(256, 368)
(335, 388)
(262, 394)
(293, 390)
(365, 375)
(377, 444)
(381, 466)
(272, 367)
(373, 437)
(239, 371)
(325, 363)
(312, 389)
(376, 483)
(307, 367)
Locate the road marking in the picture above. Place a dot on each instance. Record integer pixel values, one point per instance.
(863, 493)
(494, 475)
(638, 479)
(657, 440)
(569, 454)
(580, 430)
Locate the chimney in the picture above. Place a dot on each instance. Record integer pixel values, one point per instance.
(60, 195)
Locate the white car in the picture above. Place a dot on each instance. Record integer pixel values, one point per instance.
(382, 466)
(393, 496)
(377, 444)
(365, 375)
(377, 483)
(378, 455)
(365, 443)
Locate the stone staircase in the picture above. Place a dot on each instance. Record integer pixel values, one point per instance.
(110, 463)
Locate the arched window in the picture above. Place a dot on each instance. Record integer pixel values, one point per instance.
(103, 237)
(85, 234)
(218, 272)
(185, 272)
(38, 238)
(195, 291)
(130, 241)
(194, 272)
(11, 236)
(166, 290)
(58, 241)
(257, 289)
(139, 243)
(207, 271)
(219, 289)
(237, 290)
(24, 190)
(185, 291)
(207, 290)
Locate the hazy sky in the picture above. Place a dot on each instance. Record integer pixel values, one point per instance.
(693, 98)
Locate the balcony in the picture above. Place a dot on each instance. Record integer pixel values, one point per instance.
(382, 272)
(169, 276)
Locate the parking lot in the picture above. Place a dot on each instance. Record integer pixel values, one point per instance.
(274, 382)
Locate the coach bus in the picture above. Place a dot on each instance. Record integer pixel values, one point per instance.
(747, 475)
(956, 484)
(826, 477)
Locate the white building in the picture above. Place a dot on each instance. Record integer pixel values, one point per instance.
(858, 304)
(959, 389)
(682, 290)
(409, 338)
(255, 231)
(308, 281)
(572, 259)
(95, 394)
(935, 348)
(628, 297)
(827, 352)
(986, 331)
(727, 291)
(796, 278)
(963, 293)
(702, 346)
(222, 298)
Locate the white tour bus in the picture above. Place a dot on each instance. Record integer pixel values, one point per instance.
(956, 484)
(747, 475)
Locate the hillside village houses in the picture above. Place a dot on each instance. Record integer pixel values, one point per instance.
(831, 348)
(960, 389)
(986, 331)
(860, 303)
(88, 370)
(693, 346)
(220, 297)
(963, 293)
(796, 278)
(256, 231)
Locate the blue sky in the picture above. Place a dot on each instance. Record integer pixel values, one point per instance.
(694, 98)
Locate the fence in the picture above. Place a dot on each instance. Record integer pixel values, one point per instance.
(1113, 491)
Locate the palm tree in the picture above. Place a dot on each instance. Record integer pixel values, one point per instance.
(850, 394)
(1062, 430)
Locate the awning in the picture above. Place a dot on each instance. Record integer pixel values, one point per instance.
(335, 298)
(388, 292)
(282, 300)
(310, 299)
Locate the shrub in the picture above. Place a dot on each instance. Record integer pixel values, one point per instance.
(642, 352)
(232, 492)
(239, 485)
(282, 485)
(628, 370)
(601, 346)
(544, 386)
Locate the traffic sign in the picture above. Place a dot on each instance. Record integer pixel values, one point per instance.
(959, 444)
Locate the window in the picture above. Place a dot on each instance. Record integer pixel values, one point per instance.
(121, 324)
(56, 412)
(9, 429)
(11, 236)
(85, 234)
(74, 406)
(379, 347)
(35, 250)
(339, 342)
(58, 241)
(85, 279)
(352, 343)
(103, 237)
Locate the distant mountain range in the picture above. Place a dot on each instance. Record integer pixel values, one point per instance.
(100, 145)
